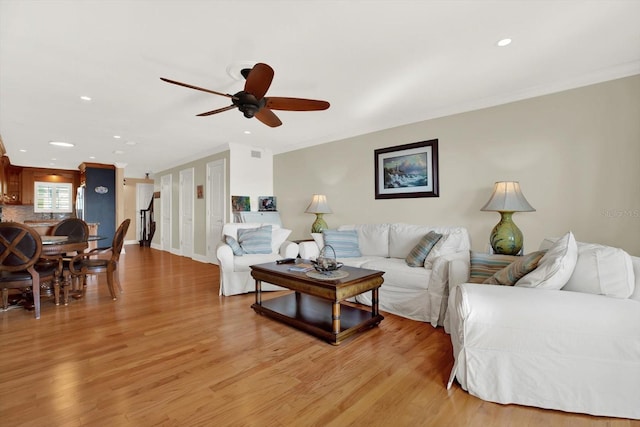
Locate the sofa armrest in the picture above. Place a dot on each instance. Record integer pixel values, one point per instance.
(459, 267)
(308, 250)
(289, 249)
(459, 270)
(439, 287)
(224, 253)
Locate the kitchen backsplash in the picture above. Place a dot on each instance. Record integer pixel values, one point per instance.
(21, 213)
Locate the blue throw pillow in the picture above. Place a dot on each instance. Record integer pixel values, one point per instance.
(235, 246)
(255, 240)
(344, 242)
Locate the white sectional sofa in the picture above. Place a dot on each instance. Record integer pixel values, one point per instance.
(413, 292)
(235, 270)
(573, 346)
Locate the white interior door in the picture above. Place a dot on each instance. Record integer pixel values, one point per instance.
(166, 204)
(144, 196)
(187, 190)
(216, 205)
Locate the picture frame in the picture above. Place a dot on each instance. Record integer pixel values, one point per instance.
(240, 204)
(200, 191)
(407, 171)
(267, 204)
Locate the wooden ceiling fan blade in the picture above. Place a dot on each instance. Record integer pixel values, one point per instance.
(259, 80)
(296, 104)
(219, 110)
(268, 117)
(196, 87)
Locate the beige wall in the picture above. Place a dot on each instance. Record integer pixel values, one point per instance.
(575, 153)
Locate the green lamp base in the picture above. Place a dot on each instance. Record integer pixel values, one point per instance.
(506, 237)
(319, 224)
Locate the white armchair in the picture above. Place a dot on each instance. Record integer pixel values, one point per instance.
(235, 270)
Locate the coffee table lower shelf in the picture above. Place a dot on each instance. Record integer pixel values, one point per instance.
(314, 316)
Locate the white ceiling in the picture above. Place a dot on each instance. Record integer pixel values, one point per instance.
(379, 63)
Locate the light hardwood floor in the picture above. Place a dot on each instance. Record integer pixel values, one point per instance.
(171, 352)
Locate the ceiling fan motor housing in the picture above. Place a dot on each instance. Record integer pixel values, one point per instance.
(248, 104)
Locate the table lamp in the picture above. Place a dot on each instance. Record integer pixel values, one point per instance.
(318, 206)
(506, 237)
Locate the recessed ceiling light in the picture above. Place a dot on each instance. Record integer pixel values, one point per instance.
(61, 144)
(92, 157)
(118, 152)
(130, 143)
(85, 98)
(22, 150)
(247, 132)
(117, 136)
(504, 42)
(54, 159)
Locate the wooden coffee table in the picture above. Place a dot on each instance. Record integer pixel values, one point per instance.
(315, 307)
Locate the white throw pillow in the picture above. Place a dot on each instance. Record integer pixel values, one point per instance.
(455, 240)
(555, 267)
(319, 239)
(278, 236)
(602, 270)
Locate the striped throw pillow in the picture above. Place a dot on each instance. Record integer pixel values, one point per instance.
(509, 275)
(484, 265)
(420, 251)
(235, 246)
(344, 242)
(255, 240)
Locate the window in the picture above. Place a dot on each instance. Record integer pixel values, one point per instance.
(53, 197)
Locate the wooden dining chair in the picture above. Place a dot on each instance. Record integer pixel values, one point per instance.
(92, 263)
(75, 228)
(20, 250)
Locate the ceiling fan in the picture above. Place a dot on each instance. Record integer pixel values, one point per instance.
(252, 101)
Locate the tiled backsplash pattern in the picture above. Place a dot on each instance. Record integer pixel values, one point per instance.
(21, 213)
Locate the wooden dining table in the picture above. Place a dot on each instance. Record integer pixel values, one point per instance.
(58, 246)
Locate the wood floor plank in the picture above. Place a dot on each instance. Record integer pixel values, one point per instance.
(172, 352)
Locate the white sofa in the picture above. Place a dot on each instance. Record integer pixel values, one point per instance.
(235, 271)
(573, 350)
(412, 292)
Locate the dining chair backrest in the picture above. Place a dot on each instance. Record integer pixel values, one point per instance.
(75, 228)
(118, 239)
(20, 246)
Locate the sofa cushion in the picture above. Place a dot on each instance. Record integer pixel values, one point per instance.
(420, 251)
(602, 270)
(344, 243)
(509, 275)
(555, 267)
(255, 240)
(404, 237)
(278, 237)
(454, 239)
(235, 246)
(484, 265)
(373, 239)
(398, 275)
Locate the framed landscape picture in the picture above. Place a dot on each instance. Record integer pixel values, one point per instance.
(409, 170)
